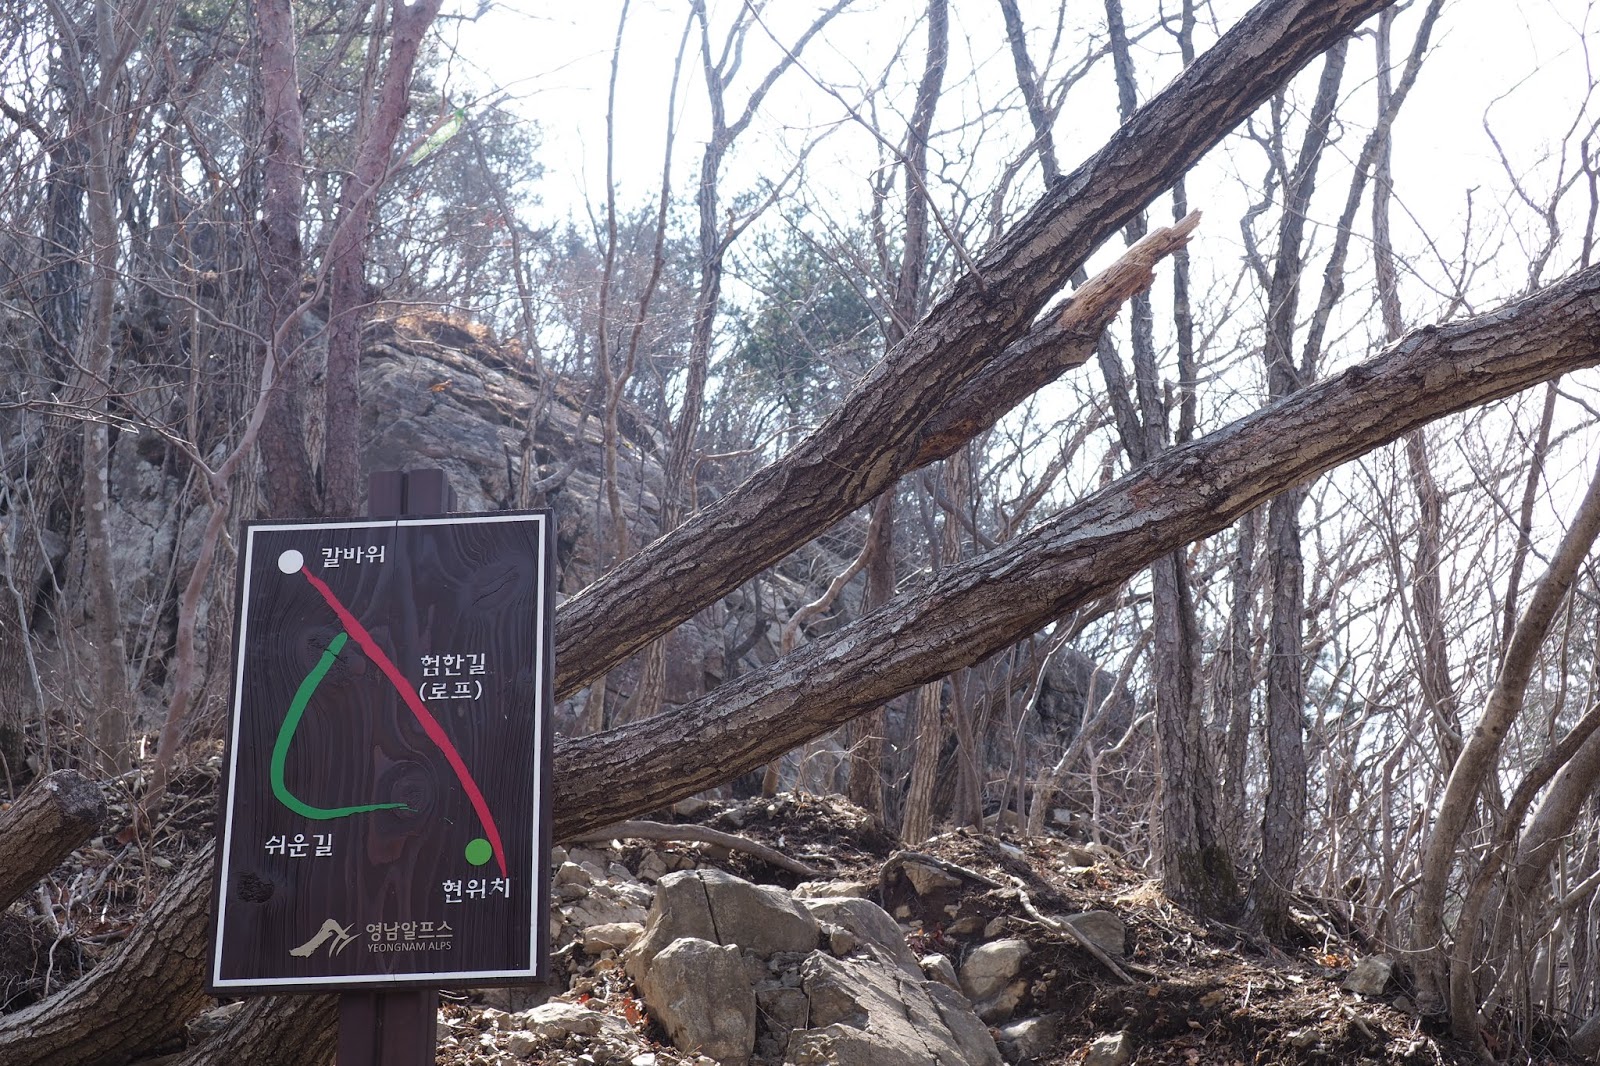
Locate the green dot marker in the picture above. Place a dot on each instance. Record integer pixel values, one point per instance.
(479, 852)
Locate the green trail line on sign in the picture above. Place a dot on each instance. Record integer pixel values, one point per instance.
(291, 722)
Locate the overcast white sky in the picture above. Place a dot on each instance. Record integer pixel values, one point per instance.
(555, 58)
(1523, 63)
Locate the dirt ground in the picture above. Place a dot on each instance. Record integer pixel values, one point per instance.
(1189, 991)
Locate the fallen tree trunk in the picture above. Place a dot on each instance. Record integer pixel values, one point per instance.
(59, 812)
(273, 1031)
(982, 605)
(142, 995)
(879, 431)
(135, 1001)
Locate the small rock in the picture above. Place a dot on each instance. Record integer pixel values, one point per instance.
(689, 808)
(572, 892)
(939, 968)
(996, 926)
(701, 994)
(611, 936)
(1302, 1038)
(571, 873)
(1078, 855)
(1102, 929)
(557, 1021)
(971, 925)
(1110, 1051)
(990, 968)
(928, 879)
(653, 867)
(591, 858)
(831, 889)
(647, 1059)
(1213, 998)
(842, 941)
(999, 1007)
(618, 872)
(1029, 1037)
(520, 1044)
(1370, 976)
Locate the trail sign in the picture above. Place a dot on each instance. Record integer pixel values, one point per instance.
(385, 809)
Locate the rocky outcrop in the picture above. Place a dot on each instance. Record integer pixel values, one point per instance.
(701, 993)
(821, 981)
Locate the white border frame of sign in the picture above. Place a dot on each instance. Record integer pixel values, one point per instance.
(543, 770)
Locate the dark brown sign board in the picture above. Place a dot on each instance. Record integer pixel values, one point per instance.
(385, 814)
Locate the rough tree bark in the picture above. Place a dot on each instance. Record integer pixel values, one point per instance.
(878, 433)
(143, 993)
(43, 826)
(1196, 867)
(347, 298)
(291, 491)
(136, 1000)
(986, 603)
(1283, 816)
(273, 1031)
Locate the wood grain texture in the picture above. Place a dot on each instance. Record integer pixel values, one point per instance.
(339, 713)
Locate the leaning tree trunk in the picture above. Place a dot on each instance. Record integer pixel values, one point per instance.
(951, 361)
(273, 1031)
(136, 1000)
(43, 826)
(142, 994)
(984, 604)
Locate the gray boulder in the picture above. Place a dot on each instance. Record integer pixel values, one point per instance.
(1370, 976)
(701, 994)
(1102, 929)
(870, 923)
(711, 905)
(991, 967)
(866, 1013)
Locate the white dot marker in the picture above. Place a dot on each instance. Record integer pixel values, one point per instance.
(291, 561)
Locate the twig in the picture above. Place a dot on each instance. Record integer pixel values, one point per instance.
(1063, 927)
(660, 831)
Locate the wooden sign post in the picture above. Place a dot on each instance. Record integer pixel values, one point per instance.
(385, 823)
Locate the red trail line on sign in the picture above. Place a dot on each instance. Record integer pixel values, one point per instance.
(430, 725)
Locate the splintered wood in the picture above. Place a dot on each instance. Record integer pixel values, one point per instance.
(1097, 300)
